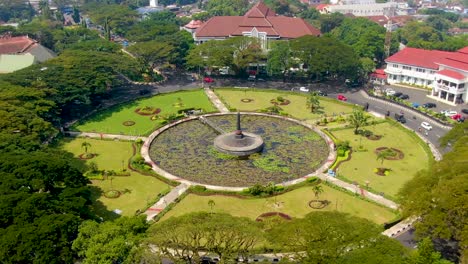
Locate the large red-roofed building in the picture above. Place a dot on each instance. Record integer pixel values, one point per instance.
(445, 72)
(260, 22)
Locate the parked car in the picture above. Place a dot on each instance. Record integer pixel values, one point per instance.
(415, 105)
(426, 126)
(456, 117)
(404, 97)
(208, 80)
(304, 89)
(321, 93)
(398, 94)
(252, 78)
(448, 113)
(465, 111)
(389, 92)
(342, 97)
(429, 105)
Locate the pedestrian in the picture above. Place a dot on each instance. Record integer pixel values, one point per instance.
(419, 129)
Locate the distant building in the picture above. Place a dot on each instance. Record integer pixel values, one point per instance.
(445, 72)
(192, 26)
(380, 9)
(20, 52)
(260, 22)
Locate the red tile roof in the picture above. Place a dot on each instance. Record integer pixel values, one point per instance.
(379, 73)
(321, 6)
(260, 17)
(16, 45)
(452, 74)
(419, 57)
(463, 50)
(194, 24)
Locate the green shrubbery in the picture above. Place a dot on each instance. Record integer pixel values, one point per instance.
(264, 190)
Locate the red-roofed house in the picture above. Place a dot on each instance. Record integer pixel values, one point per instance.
(260, 22)
(445, 72)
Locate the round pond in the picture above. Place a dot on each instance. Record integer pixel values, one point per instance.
(291, 151)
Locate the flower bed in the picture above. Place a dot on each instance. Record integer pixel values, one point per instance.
(247, 100)
(128, 123)
(148, 110)
(382, 171)
(396, 153)
(263, 216)
(281, 101)
(318, 204)
(112, 194)
(374, 137)
(86, 156)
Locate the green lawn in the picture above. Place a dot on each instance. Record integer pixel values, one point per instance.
(111, 120)
(297, 108)
(294, 203)
(139, 189)
(362, 164)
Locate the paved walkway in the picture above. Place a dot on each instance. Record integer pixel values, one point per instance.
(103, 136)
(169, 198)
(215, 100)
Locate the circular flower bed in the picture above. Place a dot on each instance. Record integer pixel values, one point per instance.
(86, 156)
(148, 110)
(394, 154)
(112, 194)
(246, 100)
(263, 216)
(128, 123)
(318, 204)
(281, 101)
(382, 171)
(374, 137)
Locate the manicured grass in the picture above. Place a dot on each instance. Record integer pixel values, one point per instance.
(362, 164)
(111, 120)
(294, 203)
(111, 155)
(297, 108)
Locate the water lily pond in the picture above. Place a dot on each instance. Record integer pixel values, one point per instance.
(291, 151)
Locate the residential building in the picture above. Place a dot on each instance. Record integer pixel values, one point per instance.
(378, 9)
(260, 22)
(446, 73)
(20, 52)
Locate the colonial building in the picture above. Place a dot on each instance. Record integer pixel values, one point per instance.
(446, 73)
(259, 22)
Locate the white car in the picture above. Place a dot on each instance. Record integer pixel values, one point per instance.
(389, 92)
(426, 126)
(303, 89)
(449, 113)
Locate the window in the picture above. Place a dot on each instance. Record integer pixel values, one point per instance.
(432, 72)
(407, 68)
(420, 70)
(395, 65)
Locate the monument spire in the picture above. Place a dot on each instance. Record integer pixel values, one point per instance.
(238, 130)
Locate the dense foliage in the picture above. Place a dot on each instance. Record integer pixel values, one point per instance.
(439, 195)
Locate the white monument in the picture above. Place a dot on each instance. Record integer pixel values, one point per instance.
(154, 3)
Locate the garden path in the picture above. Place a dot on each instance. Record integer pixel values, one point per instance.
(169, 198)
(104, 136)
(216, 101)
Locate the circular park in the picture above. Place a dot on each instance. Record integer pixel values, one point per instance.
(297, 145)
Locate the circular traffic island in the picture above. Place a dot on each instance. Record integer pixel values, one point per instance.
(209, 150)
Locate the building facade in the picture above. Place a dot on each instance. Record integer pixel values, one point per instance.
(446, 73)
(260, 22)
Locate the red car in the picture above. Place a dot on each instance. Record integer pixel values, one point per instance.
(342, 97)
(208, 80)
(456, 117)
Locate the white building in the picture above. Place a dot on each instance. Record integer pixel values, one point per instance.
(445, 72)
(379, 9)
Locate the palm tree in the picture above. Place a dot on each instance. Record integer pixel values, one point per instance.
(317, 189)
(382, 155)
(85, 145)
(313, 101)
(357, 119)
(211, 204)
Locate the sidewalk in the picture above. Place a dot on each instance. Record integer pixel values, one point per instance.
(103, 136)
(215, 100)
(169, 198)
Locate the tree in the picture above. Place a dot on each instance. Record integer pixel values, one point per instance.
(357, 119)
(225, 235)
(313, 102)
(211, 204)
(427, 254)
(330, 237)
(438, 197)
(85, 145)
(76, 15)
(111, 241)
(154, 53)
(278, 58)
(383, 155)
(117, 18)
(317, 189)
